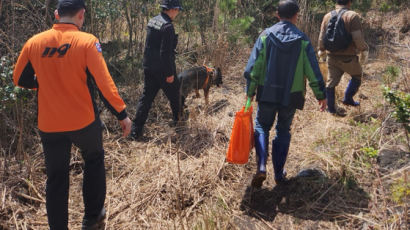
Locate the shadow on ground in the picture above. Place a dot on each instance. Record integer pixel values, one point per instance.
(312, 197)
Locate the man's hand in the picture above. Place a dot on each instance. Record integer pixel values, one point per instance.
(363, 56)
(322, 104)
(322, 55)
(253, 97)
(126, 126)
(170, 79)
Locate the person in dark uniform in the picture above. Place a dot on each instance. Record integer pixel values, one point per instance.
(159, 65)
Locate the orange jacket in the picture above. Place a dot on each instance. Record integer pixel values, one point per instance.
(63, 64)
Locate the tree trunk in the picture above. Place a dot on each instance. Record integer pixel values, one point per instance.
(92, 18)
(47, 15)
(12, 26)
(202, 32)
(128, 18)
(216, 16)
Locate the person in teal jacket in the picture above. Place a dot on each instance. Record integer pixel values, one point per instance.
(281, 60)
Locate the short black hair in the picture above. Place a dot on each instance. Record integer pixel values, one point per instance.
(343, 2)
(68, 12)
(288, 8)
(69, 7)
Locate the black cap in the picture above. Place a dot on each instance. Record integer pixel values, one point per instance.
(171, 4)
(70, 5)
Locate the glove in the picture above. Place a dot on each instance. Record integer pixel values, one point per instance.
(363, 56)
(322, 56)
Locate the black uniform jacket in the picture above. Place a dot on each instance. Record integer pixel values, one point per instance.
(160, 45)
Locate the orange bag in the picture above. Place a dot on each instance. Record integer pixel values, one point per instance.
(242, 140)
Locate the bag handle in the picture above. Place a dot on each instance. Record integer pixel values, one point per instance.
(248, 104)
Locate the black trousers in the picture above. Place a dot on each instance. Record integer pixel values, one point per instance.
(152, 84)
(57, 147)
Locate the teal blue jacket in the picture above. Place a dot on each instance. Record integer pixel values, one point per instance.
(281, 61)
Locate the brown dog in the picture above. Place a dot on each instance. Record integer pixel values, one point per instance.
(197, 78)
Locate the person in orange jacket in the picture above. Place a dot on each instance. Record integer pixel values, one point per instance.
(67, 68)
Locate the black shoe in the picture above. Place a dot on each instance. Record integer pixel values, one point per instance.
(283, 180)
(339, 112)
(95, 224)
(258, 179)
(177, 124)
(136, 133)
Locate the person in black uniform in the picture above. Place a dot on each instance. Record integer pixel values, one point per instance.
(159, 64)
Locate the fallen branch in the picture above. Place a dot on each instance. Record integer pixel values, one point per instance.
(30, 185)
(395, 172)
(22, 195)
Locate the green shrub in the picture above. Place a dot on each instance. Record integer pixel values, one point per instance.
(238, 27)
(400, 191)
(362, 5)
(401, 103)
(9, 93)
(7, 89)
(390, 74)
(370, 152)
(384, 7)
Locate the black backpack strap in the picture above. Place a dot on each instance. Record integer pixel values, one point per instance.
(339, 17)
(341, 12)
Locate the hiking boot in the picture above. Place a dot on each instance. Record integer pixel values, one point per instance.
(97, 223)
(351, 102)
(331, 107)
(258, 179)
(280, 152)
(261, 149)
(351, 90)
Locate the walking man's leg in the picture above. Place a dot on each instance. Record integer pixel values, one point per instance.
(151, 88)
(89, 140)
(351, 90)
(334, 77)
(172, 93)
(263, 123)
(280, 145)
(57, 149)
(355, 70)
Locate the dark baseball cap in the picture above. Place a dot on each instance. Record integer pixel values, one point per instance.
(70, 5)
(171, 4)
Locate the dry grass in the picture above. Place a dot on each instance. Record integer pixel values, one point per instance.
(178, 177)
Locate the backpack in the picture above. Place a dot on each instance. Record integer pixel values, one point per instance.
(336, 37)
